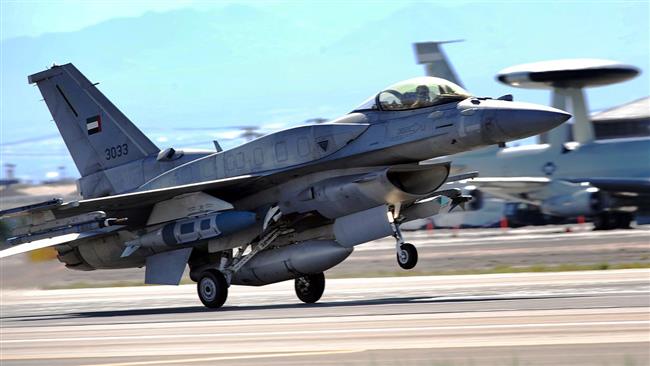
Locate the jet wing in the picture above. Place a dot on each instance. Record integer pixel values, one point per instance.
(126, 201)
(525, 189)
(510, 182)
(536, 189)
(609, 184)
(54, 222)
(147, 198)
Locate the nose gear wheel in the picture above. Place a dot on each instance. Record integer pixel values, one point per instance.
(407, 256)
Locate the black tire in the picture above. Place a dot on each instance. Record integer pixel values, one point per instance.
(603, 221)
(310, 288)
(407, 256)
(612, 220)
(623, 220)
(212, 289)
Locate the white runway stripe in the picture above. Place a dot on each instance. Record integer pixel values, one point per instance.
(328, 331)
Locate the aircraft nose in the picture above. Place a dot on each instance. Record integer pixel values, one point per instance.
(516, 120)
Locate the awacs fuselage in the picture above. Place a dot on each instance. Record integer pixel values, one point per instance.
(607, 180)
(294, 202)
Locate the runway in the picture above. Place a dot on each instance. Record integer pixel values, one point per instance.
(570, 318)
(440, 251)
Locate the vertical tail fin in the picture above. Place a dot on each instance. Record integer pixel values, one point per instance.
(433, 57)
(96, 133)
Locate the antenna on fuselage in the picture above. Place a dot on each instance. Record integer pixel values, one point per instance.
(567, 80)
(435, 62)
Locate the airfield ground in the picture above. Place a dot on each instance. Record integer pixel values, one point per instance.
(371, 312)
(569, 318)
(367, 316)
(467, 251)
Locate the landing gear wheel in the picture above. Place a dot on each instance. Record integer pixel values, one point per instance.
(623, 220)
(407, 256)
(612, 220)
(310, 288)
(212, 289)
(603, 221)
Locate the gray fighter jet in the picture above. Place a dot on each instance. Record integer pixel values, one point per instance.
(288, 205)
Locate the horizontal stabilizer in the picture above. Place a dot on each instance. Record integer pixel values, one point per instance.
(50, 242)
(39, 244)
(29, 209)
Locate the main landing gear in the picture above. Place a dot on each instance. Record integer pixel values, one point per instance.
(612, 220)
(214, 279)
(310, 288)
(407, 255)
(212, 288)
(212, 283)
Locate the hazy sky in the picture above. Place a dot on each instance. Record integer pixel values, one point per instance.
(35, 17)
(214, 65)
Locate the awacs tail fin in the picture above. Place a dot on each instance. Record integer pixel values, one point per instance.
(96, 133)
(433, 57)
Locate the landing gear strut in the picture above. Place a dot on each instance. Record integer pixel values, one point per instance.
(407, 255)
(213, 279)
(310, 288)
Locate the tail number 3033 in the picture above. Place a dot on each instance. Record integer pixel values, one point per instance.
(115, 152)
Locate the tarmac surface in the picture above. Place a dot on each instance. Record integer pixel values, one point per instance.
(568, 318)
(440, 251)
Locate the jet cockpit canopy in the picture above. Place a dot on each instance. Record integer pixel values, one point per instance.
(415, 93)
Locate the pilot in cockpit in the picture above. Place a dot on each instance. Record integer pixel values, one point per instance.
(422, 97)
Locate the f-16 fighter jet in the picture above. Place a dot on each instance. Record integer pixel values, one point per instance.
(289, 205)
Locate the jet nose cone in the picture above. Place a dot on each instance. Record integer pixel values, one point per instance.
(521, 120)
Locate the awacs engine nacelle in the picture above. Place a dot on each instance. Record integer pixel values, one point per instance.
(586, 202)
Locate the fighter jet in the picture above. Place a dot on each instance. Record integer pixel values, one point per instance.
(288, 205)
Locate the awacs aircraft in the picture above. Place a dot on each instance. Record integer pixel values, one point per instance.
(288, 205)
(607, 180)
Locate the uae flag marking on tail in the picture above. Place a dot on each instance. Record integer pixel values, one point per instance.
(93, 125)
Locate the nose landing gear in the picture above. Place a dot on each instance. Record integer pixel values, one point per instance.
(407, 254)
